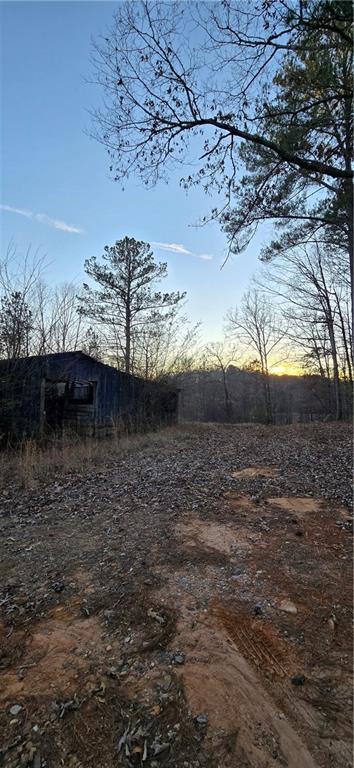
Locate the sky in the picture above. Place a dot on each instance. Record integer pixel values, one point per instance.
(56, 194)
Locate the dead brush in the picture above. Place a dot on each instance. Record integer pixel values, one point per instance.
(31, 463)
(28, 461)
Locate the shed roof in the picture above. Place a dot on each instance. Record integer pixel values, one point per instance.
(78, 354)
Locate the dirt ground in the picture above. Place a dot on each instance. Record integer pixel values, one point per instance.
(187, 604)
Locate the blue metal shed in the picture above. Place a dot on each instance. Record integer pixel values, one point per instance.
(73, 392)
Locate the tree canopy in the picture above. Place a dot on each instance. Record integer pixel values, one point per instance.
(256, 97)
(308, 110)
(163, 89)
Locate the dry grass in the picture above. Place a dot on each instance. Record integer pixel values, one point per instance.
(30, 464)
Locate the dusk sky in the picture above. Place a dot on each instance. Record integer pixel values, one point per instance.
(56, 193)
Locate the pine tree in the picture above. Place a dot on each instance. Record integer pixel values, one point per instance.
(126, 295)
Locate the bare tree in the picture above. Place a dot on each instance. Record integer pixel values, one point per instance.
(165, 345)
(20, 274)
(258, 328)
(161, 92)
(219, 356)
(315, 294)
(41, 309)
(66, 321)
(57, 323)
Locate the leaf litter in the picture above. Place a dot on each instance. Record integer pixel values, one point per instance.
(140, 605)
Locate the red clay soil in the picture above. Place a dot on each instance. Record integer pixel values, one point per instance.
(188, 605)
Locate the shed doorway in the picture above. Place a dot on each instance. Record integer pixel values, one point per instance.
(69, 406)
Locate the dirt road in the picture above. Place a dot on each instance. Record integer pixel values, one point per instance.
(186, 604)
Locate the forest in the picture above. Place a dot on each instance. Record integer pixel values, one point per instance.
(279, 361)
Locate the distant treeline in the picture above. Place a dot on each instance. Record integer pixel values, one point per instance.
(240, 397)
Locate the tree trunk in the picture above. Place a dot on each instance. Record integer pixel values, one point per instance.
(345, 340)
(336, 379)
(128, 322)
(127, 339)
(228, 404)
(318, 357)
(268, 400)
(328, 313)
(349, 205)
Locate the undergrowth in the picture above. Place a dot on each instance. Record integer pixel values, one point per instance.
(31, 463)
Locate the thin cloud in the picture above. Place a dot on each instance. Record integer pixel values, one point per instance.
(180, 249)
(43, 218)
(21, 211)
(173, 247)
(56, 223)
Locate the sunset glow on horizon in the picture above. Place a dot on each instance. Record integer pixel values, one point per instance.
(287, 368)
